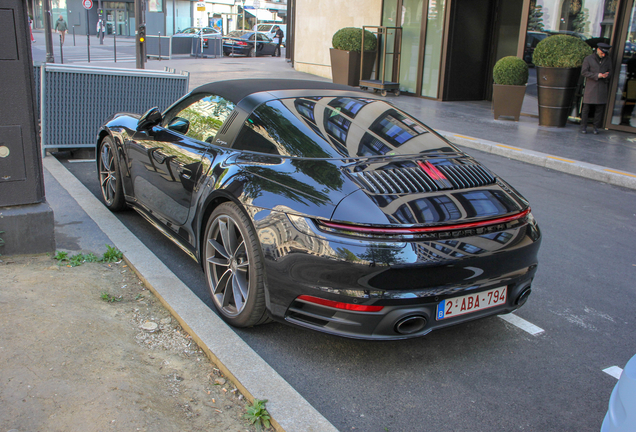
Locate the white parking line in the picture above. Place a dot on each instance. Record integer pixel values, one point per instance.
(522, 324)
(613, 371)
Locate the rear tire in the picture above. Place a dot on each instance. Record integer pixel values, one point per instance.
(109, 175)
(251, 53)
(234, 267)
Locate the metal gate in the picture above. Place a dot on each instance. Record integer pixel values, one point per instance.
(74, 101)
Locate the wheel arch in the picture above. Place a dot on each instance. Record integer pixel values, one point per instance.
(211, 203)
(121, 156)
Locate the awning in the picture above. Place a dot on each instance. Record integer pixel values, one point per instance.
(263, 15)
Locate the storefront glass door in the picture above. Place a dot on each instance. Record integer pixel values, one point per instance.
(623, 113)
(433, 48)
(117, 22)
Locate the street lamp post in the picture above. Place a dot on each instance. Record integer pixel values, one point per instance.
(48, 32)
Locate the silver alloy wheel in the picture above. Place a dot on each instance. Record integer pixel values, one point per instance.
(228, 265)
(107, 172)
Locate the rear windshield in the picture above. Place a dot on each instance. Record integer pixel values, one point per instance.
(335, 127)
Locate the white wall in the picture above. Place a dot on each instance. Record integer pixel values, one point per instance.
(317, 21)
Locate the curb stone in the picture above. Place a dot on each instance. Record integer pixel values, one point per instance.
(568, 166)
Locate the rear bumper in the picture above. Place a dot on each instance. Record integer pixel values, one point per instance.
(394, 321)
(409, 279)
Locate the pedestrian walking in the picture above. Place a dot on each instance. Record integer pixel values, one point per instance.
(278, 39)
(100, 27)
(61, 28)
(597, 69)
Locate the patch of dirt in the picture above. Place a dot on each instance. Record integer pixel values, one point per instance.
(75, 356)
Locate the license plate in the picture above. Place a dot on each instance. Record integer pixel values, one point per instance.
(457, 306)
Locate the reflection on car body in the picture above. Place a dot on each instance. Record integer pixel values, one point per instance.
(322, 207)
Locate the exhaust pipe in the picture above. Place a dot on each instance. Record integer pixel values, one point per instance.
(523, 297)
(410, 324)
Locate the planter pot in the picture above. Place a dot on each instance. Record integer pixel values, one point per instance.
(556, 89)
(507, 100)
(345, 66)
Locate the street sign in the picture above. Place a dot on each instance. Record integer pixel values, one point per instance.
(88, 4)
(257, 4)
(201, 6)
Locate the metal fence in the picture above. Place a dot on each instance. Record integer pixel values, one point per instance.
(74, 101)
(165, 47)
(168, 46)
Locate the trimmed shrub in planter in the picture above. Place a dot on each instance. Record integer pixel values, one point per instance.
(561, 51)
(510, 71)
(346, 54)
(350, 39)
(511, 76)
(558, 60)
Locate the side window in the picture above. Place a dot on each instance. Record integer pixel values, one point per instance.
(250, 140)
(274, 128)
(205, 113)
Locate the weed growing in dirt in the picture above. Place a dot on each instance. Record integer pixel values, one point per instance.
(257, 414)
(61, 256)
(112, 254)
(109, 298)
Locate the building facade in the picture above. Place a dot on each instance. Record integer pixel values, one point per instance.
(161, 16)
(448, 48)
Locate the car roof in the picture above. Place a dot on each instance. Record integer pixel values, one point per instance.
(236, 90)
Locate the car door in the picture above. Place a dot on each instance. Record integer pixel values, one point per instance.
(266, 46)
(166, 160)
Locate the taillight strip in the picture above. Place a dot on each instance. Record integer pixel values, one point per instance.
(391, 230)
(340, 305)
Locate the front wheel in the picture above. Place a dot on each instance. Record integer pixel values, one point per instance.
(234, 267)
(110, 175)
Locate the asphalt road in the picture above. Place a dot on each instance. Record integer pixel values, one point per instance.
(486, 375)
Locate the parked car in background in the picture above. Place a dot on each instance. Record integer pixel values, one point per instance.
(204, 33)
(270, 30)
(196, 32)
(324, 207)
(242, 42)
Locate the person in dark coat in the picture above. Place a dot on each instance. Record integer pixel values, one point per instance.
(278, 37)
(597, 69)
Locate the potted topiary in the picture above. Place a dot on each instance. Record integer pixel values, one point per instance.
(511, 76)
(346, 53)
(558, 60)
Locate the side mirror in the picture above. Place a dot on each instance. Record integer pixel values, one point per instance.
(180, 125)
(151, 118)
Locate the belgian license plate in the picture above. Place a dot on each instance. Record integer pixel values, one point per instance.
(457, 306)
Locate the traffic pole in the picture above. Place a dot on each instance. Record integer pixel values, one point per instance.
(140, 35)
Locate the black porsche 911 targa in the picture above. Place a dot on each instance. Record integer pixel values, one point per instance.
(321, 206)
